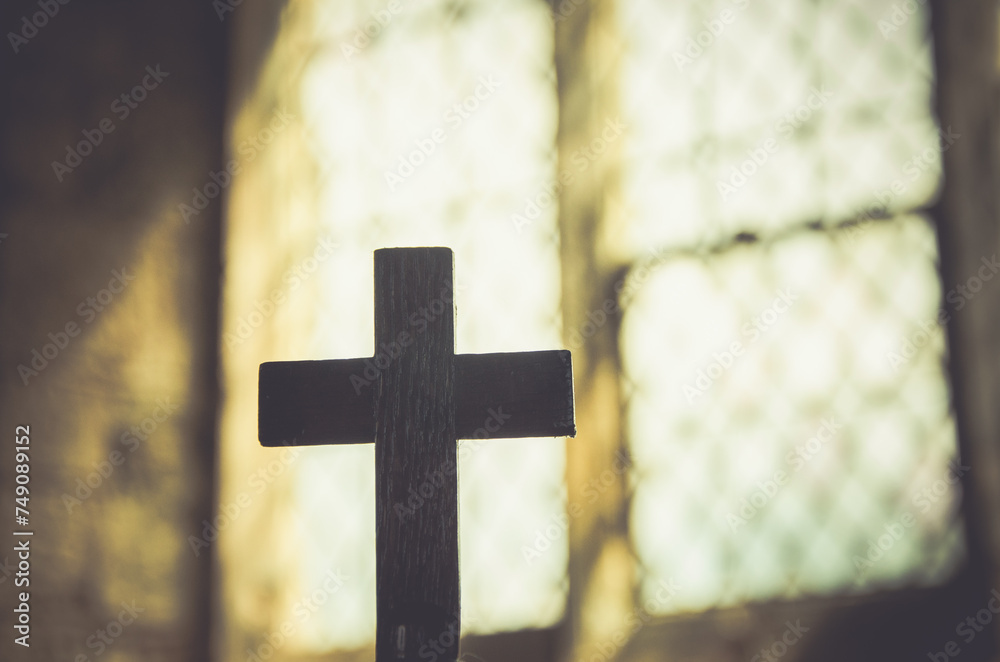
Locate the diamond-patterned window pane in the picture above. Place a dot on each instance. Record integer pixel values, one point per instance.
(840, 112)
(434, 133)
(760, 118)
(783, 359)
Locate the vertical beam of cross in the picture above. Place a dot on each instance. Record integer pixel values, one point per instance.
(417, 556)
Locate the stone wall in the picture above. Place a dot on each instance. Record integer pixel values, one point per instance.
(114, 113)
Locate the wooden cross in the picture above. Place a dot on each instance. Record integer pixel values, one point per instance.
(415, 398)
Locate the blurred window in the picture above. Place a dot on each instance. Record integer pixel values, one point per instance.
(787, 396)
(785, 390)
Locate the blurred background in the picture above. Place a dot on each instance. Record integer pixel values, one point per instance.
(766, 230)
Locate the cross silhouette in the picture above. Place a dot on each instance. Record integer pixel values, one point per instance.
(415, 398)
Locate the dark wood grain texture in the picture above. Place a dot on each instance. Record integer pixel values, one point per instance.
(535, 389)
(416, 553)
(414, 398)
(304, 403)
